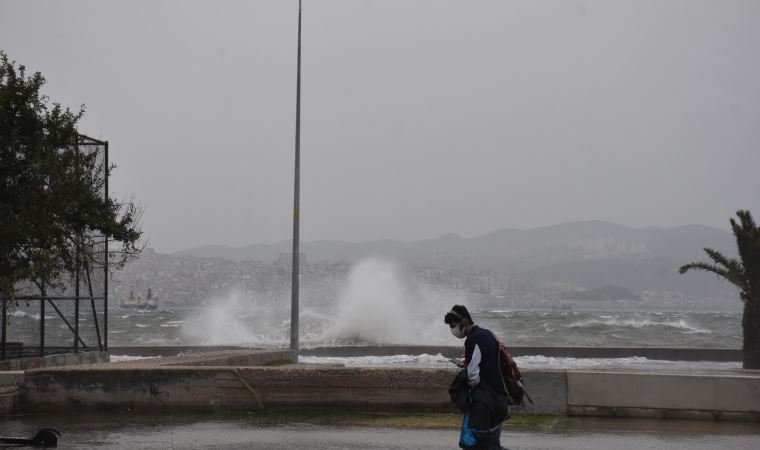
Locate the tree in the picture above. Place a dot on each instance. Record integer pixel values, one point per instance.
(52, 201)
(744, 273)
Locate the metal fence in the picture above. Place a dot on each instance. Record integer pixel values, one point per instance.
(73, 317)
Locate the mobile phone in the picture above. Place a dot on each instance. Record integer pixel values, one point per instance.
(456, 362)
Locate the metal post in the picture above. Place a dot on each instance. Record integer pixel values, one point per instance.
(87, 269)
(5, 314)
(296, 202)
(105, 263)
(76, 272)
(43, 292)
(76, 301)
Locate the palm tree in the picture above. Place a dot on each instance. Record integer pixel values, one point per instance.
(744, 273)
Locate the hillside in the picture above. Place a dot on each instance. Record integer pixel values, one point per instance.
(587, 254)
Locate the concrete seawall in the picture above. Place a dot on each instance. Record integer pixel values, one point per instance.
(668, 354)
(242, 381)
(67, 359)
(703, 396)
(662, 353)
(236, 389)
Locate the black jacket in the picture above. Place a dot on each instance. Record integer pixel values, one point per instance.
(460, 391)
(482, 359)
(479, 388)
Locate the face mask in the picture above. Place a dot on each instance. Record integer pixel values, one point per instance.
(458, 332)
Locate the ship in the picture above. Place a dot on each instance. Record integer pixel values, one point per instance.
(139, 302)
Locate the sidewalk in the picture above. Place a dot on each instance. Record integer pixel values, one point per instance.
(181, 432)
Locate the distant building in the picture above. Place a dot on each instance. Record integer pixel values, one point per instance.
(286, 259)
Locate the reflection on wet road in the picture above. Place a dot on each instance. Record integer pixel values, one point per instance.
(113, 431)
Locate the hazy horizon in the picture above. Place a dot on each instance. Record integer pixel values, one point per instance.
(418, 118)
(290, 239)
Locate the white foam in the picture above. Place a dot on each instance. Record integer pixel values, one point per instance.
(122, 358)
(638, 323)
(424, 360)
(529, 362)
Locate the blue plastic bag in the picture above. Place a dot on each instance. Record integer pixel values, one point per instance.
(466, 434)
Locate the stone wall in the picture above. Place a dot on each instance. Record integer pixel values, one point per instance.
(64, 359)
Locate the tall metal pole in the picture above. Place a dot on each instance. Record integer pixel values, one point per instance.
(296, 203)
(77, 270)
(105, 259)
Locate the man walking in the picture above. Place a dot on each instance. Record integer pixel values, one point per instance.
(487, 407)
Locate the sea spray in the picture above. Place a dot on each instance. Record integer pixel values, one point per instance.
(234, 319)
(248, 320)
(379, 306)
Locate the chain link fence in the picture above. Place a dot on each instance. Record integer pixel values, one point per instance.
(73, 316)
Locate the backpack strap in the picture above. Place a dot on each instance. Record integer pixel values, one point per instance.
(503, 383)
(498, 363)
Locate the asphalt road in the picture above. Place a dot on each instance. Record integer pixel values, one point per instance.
(118, 432)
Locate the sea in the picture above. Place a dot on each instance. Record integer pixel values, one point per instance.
(518, 327)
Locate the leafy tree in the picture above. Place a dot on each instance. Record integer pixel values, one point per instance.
(53, 208)
(744, 273)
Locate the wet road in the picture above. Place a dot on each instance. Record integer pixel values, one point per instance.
(168, 432)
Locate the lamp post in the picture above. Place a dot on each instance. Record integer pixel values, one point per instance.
(296, 204)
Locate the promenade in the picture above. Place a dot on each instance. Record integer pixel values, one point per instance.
(255, 380)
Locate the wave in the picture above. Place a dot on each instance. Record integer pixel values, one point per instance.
(124, 358)
(424, 360)
(527, 362)
(638, 362)
(607, 321)
(32, 316)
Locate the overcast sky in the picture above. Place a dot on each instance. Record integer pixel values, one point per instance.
(418, 117)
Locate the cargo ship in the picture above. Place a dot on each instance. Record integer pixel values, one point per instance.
(139, 302)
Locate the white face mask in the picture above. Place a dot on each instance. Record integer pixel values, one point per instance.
(458, 332)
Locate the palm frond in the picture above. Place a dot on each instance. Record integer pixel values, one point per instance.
(734, 269)
(718, 258)
(747, 240)
(748, 223)
(727, 274)
(704, 267)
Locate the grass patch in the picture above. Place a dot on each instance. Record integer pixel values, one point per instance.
(314, 416)
(9, 389)
(279, 362)
(386, 419)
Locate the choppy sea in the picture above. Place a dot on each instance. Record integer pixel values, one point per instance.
(517, 327)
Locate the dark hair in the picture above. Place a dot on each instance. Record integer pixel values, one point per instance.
(457, 313)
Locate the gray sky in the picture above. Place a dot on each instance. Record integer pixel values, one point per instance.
(418, 117)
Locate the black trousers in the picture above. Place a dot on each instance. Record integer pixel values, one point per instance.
(488, 410)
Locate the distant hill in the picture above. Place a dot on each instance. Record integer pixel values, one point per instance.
(603, 293)
(589, 254)
(506, 249)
